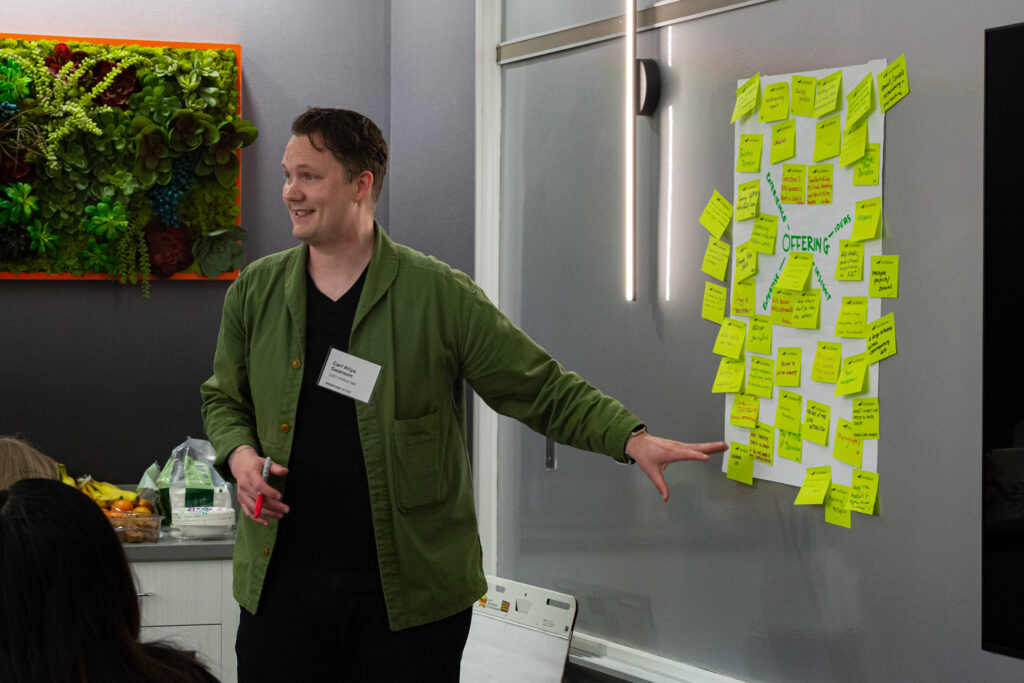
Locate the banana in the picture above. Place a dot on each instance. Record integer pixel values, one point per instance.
(62, 474)
(113, 492)
(103, 491)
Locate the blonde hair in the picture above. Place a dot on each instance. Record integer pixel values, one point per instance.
(18, 460)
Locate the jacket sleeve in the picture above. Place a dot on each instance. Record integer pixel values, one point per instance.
(228, 415)
(519, 379)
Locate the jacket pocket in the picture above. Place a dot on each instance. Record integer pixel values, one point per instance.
(419, 479)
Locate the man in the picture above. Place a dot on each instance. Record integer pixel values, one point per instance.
(342, 361)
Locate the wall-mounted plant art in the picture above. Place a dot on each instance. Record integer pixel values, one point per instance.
(120, 161)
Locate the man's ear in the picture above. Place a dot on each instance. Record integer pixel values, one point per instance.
(364, 186)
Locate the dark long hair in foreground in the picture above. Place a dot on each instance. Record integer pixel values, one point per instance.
(68, 606)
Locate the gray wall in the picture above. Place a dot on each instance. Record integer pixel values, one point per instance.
(724, 576)
(107, 382)
(432, 124)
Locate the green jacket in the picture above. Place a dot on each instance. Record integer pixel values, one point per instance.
(429, 327)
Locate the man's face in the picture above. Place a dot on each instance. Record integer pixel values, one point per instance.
(321, 199)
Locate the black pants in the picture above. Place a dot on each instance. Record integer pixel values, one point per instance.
(328, 625)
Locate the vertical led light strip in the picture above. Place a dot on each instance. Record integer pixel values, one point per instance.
(630, 160)
(668, 191)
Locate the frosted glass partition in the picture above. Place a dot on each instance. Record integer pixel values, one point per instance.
(541, 16)
(725, 576)
(595, 528)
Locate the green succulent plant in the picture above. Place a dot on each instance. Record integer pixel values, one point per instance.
(106, 221)
(220, 251)
(18, 203)
(220, 158)
(158, 99)
(188, 130)
(14, 83)
(153, 157)
(43, 239)
(96, 257)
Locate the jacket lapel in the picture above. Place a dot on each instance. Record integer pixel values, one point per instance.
(381, 273)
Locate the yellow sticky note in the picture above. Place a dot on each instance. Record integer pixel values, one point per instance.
(717, 214)
(882, 338)
(827, 359)
(865, 418)
(855, 144)
(746, 262)
(713, 306)
(729, 378)
(817, 418)
(801, 103)
(797, 273)
(860, 102)
(867, 169)
(847, 447)
(762, 443)
(852, 375)
(745, 409)
(761, 378)
(747, 197)
(744, 298)
(787, 366)
(893, 84)
(819, 184)
(790, 445)
(864, 492)
(731, 336)
(762, 239)
(815, 486)
(783, 141)
(794, 183)
(837, 505)
(759, 335)
(850, 263)
(827, 138)
(853, 317)
(826, 94)
(748, 159)
(867, 219)
(807, 310)
(775, 105)
(783, 305)
(885, 277)
(747, 96)
(741, 465)
(716, 258)
(788, 410)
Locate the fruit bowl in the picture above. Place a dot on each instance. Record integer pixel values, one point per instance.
(132, 527)
(203, 522)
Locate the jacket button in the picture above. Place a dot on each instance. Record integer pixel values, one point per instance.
(296, 363)
(285, 428)
(266, 550)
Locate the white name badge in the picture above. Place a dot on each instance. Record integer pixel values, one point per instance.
(349, 375)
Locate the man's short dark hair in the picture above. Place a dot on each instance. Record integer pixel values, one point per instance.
(353, 139)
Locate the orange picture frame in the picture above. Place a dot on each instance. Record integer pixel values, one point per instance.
(236, 48)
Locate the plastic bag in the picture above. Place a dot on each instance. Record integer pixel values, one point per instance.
(149, 489)
(189, 478)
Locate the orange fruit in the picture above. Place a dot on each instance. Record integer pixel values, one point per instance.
(146, 504)
(143, 511)
(123, 505)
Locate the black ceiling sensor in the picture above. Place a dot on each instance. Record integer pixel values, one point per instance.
(648, 86)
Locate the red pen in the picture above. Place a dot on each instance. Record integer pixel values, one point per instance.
(259, 497)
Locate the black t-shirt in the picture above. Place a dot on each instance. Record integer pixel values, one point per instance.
(330, 522)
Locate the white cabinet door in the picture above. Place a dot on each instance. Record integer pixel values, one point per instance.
(204, 640)
(180, 593)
